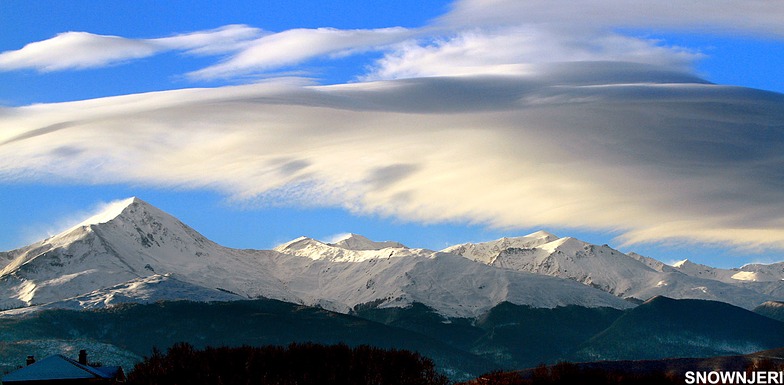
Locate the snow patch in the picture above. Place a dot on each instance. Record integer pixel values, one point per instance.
(566, 245)
(773, 304)
(745, 276)
(27, 291)
(68, 277)
(680, 264)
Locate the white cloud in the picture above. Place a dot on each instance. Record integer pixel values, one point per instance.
(53, 226)
(80, 50)
(512, 50)
(75, 50)
(507, 36)
(247, 50)
(297, 45)
(230, 38)
(728, 17)
(335, 238)
(650, 153)
(475, 37)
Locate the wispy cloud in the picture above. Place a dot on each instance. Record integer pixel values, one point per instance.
(246, 50)
(58, 224)
(297, 45)
(335, 238)
(726, 17)
(229, 38)
(76, 50)
(82, 50)
(653, 154)
(506, 36)
(512, 50)
(475, 37)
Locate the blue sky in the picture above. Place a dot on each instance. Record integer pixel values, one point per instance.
(429, 123)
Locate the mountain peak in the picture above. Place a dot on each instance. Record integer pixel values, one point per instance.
(486, 252)
(541, 234)
(658, 299)
(358, 242)
(300, 243)
(110, 211)
(135, 218)
(567, 245)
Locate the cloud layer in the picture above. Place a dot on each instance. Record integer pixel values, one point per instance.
(247, 51)
(512, 50)
(727, 17)
(506, 113)
(476, 36)
(652, 153)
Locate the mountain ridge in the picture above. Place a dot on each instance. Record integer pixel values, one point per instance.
(131, 241)
(629, 276)
(663, 327)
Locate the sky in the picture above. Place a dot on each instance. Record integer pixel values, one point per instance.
(654, 127)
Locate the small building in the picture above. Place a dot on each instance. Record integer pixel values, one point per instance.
(61, 370)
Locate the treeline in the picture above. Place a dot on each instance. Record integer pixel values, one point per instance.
(300, 364)
(571, 374)
(565, 373)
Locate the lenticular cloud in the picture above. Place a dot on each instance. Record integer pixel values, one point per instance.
(649, 152)
(82, 50)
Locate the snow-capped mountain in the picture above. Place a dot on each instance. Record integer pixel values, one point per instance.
(767, 279)
(627, 276)
(354, 248)
(134, 252)
(116, 254)
(751, 272)
(761, 272)
(358, 242)
(652, 263)
(515, 291)
(150, 289)
(129, 240)
(487, 251)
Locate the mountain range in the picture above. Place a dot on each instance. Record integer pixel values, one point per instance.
(513, 302)
(134, 252)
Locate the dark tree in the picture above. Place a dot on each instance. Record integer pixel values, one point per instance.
(565, 373)
(300, 364)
